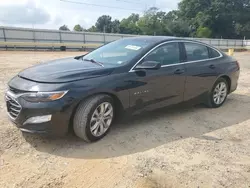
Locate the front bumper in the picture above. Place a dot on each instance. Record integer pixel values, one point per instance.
(38, 128)
(20, 110)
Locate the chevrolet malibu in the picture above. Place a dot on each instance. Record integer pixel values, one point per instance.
(87, 92)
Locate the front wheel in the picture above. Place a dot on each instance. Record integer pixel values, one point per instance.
(94, 117)
(219, 93)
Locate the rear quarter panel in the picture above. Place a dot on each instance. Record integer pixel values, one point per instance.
(227, 66)
(200, 78)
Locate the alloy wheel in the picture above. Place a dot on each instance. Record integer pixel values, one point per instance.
(220, 93)
(101, 119)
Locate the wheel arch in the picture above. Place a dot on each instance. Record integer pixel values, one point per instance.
(119, 108)
(228, 79)
(208, 101)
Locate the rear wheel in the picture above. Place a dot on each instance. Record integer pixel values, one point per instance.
(219, 93)
(94, 117)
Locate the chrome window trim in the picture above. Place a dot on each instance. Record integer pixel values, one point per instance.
(187, 62)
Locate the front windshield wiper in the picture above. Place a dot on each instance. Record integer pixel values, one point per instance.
(93, 61)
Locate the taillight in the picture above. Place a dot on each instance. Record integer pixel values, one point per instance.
(238, 64)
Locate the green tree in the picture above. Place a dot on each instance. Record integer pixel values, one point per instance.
(243, 30)
(202, 18)
(220, 16)
(204, 32)
(64, 28)
(179, 28)
(78, 28)
(92, 29)
(104, 24)
(115, 26)
(151, 22)
(130, 25)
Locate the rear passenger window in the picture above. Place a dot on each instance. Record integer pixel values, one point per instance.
(196, 52)
(213, 53)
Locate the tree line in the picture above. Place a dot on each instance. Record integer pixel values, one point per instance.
(193, 18)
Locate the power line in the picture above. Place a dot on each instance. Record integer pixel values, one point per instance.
(96, 5)
(145, 4)
(131, 2)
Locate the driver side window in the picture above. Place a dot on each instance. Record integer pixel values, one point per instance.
(166, 54)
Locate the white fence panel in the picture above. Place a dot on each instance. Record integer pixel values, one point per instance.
(41, 36)
(94, 38)
(239, 43)
(16, 34)
(247, 44)
(214, 42)
(1, 34)
(223, 43)
(110, 38)
(231, 42)
(72, 37)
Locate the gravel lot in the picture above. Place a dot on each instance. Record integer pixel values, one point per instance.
(180, 147)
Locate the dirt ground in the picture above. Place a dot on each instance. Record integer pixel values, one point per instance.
(180, 147)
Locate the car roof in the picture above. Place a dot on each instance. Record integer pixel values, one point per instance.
(151, 38)
(158, 39)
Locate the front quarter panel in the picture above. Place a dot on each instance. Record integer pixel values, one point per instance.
(112, 84)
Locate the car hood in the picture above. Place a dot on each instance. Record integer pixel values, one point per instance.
(64, 70)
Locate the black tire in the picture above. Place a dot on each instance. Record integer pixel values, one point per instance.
(81, 122)
(211, 102)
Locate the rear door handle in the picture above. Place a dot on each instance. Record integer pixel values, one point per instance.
(179, 71)
(212, 66)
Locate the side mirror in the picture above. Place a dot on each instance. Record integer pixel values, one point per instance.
(153, 65)
(78, 57)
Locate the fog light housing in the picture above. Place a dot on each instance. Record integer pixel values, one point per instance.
(38, 119)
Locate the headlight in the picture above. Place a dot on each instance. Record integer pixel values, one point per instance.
(43, 96)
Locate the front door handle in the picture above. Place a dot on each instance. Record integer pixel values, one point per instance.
(179, 71)
(212, 66)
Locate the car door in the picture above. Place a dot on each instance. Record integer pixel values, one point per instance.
(162, 87)
(200, 69)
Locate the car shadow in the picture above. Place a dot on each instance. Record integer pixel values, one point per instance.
(149, 130)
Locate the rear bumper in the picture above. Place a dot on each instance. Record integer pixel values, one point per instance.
(234, 81)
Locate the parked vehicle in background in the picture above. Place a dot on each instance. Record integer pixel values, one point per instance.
(130, 74)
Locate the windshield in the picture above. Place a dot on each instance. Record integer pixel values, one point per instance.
(118, 52)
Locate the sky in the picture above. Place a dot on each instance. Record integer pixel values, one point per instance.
(51, 14)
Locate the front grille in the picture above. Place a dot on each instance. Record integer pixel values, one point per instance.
(13, 107)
